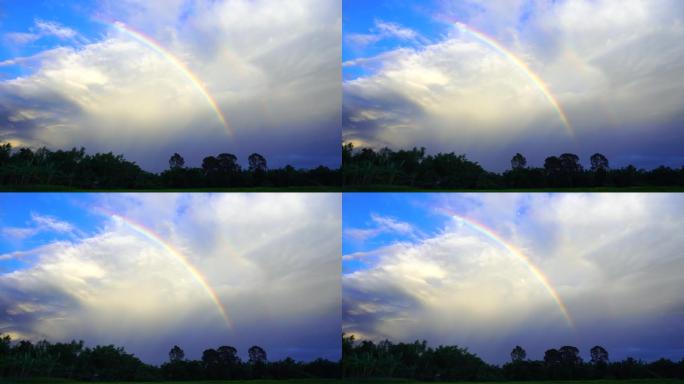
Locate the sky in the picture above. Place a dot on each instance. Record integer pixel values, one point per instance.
(150, 271)
(148, 78)
(492, 271)
(493, 78)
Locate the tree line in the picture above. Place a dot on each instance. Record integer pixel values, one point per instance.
(366, 167)
(73, 360)
(418, 361)
(77, 169)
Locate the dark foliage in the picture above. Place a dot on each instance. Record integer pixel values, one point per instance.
(76, 169)
(417, 361)
(413, 168)
(25, 360)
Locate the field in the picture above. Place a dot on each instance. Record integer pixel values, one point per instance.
(56, 188)
(645, 381)
(648, 381)
(399, 188)
(60, 381)
(368, 381)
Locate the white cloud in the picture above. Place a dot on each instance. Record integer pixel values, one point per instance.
(52, 28)
(381, 225)
(39, 223)
(383, 30)
(21, 37)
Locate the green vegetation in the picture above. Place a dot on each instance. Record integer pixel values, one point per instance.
(412, 170)
(66, 381)
(416, 361)
(24, 360)
(632, 381)
(23, 169)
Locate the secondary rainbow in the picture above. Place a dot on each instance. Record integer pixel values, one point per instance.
(169, 249)
(171, 58)
(490, 234)
(523, 67)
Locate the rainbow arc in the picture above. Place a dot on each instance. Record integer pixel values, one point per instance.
(511, 249)
(524, 68)
(153, 237)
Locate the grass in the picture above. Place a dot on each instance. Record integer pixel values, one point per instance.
(398, 188)
(65, 381)
(632, 381)
(58, 188)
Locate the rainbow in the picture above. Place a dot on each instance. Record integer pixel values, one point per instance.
(522, 66)
(157, 47)
(159, 241)
(490, 234)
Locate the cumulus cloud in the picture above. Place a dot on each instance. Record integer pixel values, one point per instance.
(147, 299)
(273, 70)
(613, 259)
(614, 69)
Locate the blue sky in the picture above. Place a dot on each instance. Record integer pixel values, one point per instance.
(69, 269)
(36, 219)
(70, 78)
(411, 271)
(18, 20)
(413, 77)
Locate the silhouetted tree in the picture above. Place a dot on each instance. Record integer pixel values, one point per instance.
(518, 354)
(257, 163)
(176, 354)
(599, 355)
(569, 355)
(598, 162)
(570, 163)
(227, 162)
(176, 161)
(518, 161)
(257, 355)
(552, 357)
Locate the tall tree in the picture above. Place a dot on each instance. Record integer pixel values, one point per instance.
(257, 163)
(176, 354)
(518, 354)
(518, 161)
(570, 163)
(176, 161)
(569, 355)
(599, 162)
(552, 357)
(257, 355)
(228, 355)
(599, 355)
(227, 162)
